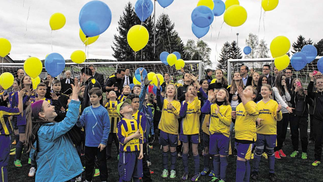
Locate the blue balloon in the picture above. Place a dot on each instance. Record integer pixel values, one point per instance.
(202, 16)
(163, 57)
(247, 50)
(143, 9)
(95, 18)
(177, 54)
(54, 64)
(298, 61)
(320, 65)
(310, 52)
(199, 32)
(219, 7)
(131, 85)
(165, 3)
(137, 73)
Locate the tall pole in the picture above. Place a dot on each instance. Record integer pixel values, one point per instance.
(237, 39)
(155, 28)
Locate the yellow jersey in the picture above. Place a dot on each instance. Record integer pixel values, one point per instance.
(220, 122)
(127, 127)
(169, 118)
(111, 106)
(191, 121)
(205, 124)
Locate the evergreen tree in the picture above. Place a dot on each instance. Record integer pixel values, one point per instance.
(235, 52)
(300, 43)
(224, 56)
(319, 47)
(262, 51)
(253, 43)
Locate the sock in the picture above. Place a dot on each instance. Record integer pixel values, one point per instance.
(19, 147)
(247, 175)
(216, 166)
(185, 162)
(165, 160)
(196, 164)
(223, 168)
(271, 161)
(206, 158)
(173, 160)
(240, 171)
(256, 162)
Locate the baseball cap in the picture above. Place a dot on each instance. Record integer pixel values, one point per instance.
(120, 105)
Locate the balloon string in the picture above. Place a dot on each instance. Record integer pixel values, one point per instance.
(51, 34)
(27, 18)
(170, 47)
(2, 64)
(263, 19)
(260, 21)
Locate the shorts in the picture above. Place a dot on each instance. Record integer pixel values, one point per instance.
(189, 138)
(219, 144)
(206, 139)
(168, 139)
(244, 150)
(22, 128)
(129, 166)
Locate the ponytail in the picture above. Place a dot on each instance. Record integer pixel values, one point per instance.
(29, 127)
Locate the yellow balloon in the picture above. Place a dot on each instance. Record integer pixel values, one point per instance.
(78, 57)
(57, 21)
(282, 62)
(208, 3)
(33, 67)
(89, 40)
(5, 47)
(235, 16)
(179, 64)
(171, 59)
(137, 37)
(229, 3)
(279, 46)
(269, 5)
(6, 80)
(151, 76)
(135, 81)
(35, 82)
(161, 79)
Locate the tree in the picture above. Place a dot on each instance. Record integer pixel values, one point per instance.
(224, 56)
(235, 52)
(300, 43)
(198, 51)
(319, 47)
(262, 51)
(253, 43)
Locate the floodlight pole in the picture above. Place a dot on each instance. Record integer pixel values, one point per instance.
(155, 28)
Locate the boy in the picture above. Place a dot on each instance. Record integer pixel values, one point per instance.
(59, 100)
(111, 106)
(125, 92)
(131, 145)
(95, 120)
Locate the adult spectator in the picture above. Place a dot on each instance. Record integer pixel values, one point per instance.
(182, 90)
(127, 78)
(66, 83)
(20, 74)
(289, 79)
(246, 79)
(115, 82)
(266, 72)
(167, 80)
(99, 77)
(208, 75)
(90, 83)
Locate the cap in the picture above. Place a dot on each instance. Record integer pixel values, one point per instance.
(119, 106)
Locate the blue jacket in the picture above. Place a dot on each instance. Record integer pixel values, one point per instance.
(57, 159)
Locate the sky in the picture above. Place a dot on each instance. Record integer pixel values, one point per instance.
(25, 23)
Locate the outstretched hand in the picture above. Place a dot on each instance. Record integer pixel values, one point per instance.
(75, 89)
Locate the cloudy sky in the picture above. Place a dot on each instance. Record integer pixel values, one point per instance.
(25, 23)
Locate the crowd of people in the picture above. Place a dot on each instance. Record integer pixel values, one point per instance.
(85, 115)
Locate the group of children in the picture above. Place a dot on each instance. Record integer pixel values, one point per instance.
(197, 112)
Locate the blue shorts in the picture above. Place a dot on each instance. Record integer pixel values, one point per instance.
(219, 144)
(265, 140)
(22, 128)
(189, 138)
(244, 150)
(129, 166)
(206, 139)
(168, 139)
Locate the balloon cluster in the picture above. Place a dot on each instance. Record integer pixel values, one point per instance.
(172, 59)
(150, 76)
(202, 17)
(307, 55)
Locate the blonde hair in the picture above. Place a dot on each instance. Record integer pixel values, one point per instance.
(175, 88)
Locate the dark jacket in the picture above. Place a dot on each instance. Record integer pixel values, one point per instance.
(299, 102)
(317, 102)
(100, 78)
(89, 84)
(289, 84)
(181, 93)
(113, 80)
(66, 88)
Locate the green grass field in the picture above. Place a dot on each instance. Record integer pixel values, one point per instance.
(287, 169)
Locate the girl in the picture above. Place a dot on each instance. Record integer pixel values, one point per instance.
(15, 88)
(282, 96)
(269, 114)
(298, 123)
(220, 81)
(245, 131)
(168, 126)
(50, 141)
(190, 128)
(235, 84)
(261, 81)
(255, 79)
(219, 130)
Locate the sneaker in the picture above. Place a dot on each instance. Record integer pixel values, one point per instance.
(96, 173)
(172, 174)
(165, 173)
(17, 163)
(304, 155)
(264, 155)
(32, 171)
(254, 175)
(221, 180)
(14, 142)
(196, 177)
(294, 154)
(272, 177)
(215, 179)
(316, 163)
(78, 179)
(277, 156)
(13, 151)
(185, 177)
(212, 174)
(205, 171)
(281, 153)
(29, 161)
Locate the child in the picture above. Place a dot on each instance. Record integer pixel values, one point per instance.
(219, 130)
(190, 128)
(95, 120)
(136, 89)
(5, 131)
(245, 131)
(15, 88)
(125, 92)
(130, 142)
(269, 114)
(168, 127)
(111, 106)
